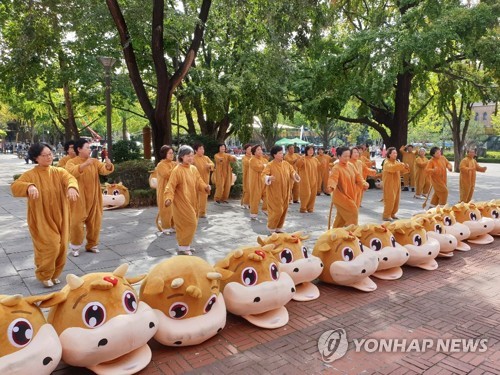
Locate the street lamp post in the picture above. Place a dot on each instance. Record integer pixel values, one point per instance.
(107, 63)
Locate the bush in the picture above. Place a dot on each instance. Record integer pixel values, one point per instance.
(237, 188)
(142, 197)
(125, 150)
(134, 174)
(16, 176)
(211, 145)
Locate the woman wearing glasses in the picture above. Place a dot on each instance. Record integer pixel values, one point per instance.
(49, 190)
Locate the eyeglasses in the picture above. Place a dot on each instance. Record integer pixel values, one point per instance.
(47, 155)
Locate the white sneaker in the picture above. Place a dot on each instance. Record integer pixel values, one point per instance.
(75, 253)
(93, 249)
(56, 281)
(48, 283)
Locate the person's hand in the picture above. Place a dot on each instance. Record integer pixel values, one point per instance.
(33, 192)
(272, 178)
(366, 185)
(72, 194)
(168, 202)
(449, 168)
(208, 189)
(108, 163)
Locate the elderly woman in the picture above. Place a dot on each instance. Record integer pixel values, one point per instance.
(422, 179)
(48, 190)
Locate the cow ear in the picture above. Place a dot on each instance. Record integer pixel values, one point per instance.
(226, 274)
(324, 247)
(260, 241)
(11, 301)
(56, 299)
(154, 285)
(34, 300)
(135, 279)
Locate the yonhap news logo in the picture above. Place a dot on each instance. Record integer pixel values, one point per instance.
(333, 345)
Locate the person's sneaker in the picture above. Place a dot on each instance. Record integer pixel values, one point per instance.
(56, 281)
(48, 283)
(218, 202)
(413, 189)
(93, 249)
(395, 218)
(75, 253)
(405, 189)
(184, 252)
(386, 219)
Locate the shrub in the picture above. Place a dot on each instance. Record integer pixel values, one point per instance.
(237, 188)
(125, 150)
(142, 197)
(134, 174)
(210, 144)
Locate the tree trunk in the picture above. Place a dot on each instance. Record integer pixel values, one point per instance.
(70, 122)
(399, 126)
(124, 127)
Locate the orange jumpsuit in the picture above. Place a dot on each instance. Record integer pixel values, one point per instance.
(365, 159)
(292, 160)
(391, 175)
(48, 217)
(256, 184)
(409, 158)
(223, 175)
(87, 210)
(323, 171)
(363, 170)
(343, 180)
(422, 179)
(182, 189)
(436, 169)
(62, 162)
(245, 198)
(308, 171)
(163, 171)
(278, 192)
(204, 166)
(468, 169)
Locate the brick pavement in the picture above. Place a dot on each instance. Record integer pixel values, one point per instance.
(461, 299)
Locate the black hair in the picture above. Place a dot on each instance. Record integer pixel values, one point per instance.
(433, 150)
(341, 150)
(67, 144)
(36, 149)
(275, 150)
(389, 151)
(79, 144)
(164, 151)
(254, 148)
(196, 146)
(221, 144)
(307, 148)
(354, 148)
(290, 145)
(247, 146)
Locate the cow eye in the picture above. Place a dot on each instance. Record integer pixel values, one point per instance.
(249, 276)
(116, 192)
(105, 192)
(361, 247)
(94, 314)
(393, 241)
(438, 228)
(473, 216)
(274, 271)
(178, 310)
(129, 302)
(447, 221)
(417, 240)
(347, 254)
(286, 256)
(375, 244)
(304, 252)
(20, 332)
(494, 213)
(210, 303)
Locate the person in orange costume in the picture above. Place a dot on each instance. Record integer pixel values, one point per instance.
(87, 210)
(391, 175)
(278, 177)
(342, 183)
(323, 170)
(363, 170)
(365, 158)
(223, 174)
(181, 191)
(70, 153)
(468, 169)
(245, 161)
(48, 189)
(291, 157)
(204, 166)
(308, 167)
(164, 169)
(255, 182)
(409, 156)
(436, 169)
(422, 179)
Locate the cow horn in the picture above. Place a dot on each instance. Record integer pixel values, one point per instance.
(238, 253)
(268, 247)
(214, 276)
(177, 283)
(74, 282)
(121, 270)
(11, 301)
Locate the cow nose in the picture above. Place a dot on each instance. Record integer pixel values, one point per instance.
(256, 299)
(364, 271)
(430, 253)
(151, 325)
(321, 265)
(386, 259)
(47, 360)
(295, 270)
(103, 342)
(450, 242)
(178, 343)
(220, 329)
(461, 234)
(293, 290)
(485, 226)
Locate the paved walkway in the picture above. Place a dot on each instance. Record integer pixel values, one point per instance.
(460, 300)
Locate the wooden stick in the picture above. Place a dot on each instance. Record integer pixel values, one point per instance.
(426, 198)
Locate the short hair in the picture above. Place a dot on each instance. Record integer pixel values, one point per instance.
(341, 150)
(422, 149)
(390, 150)
(290, 145)
(164, 151)
(196, 146)
(222, 144)
(321, 148)
(71, 142)
(410, 145)
(36, 149)
(354, 148)
(79, 144)
(254, 148)
(433, 150)
(183, 151)
(275, 150)
(247, 146)
(307, 148)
